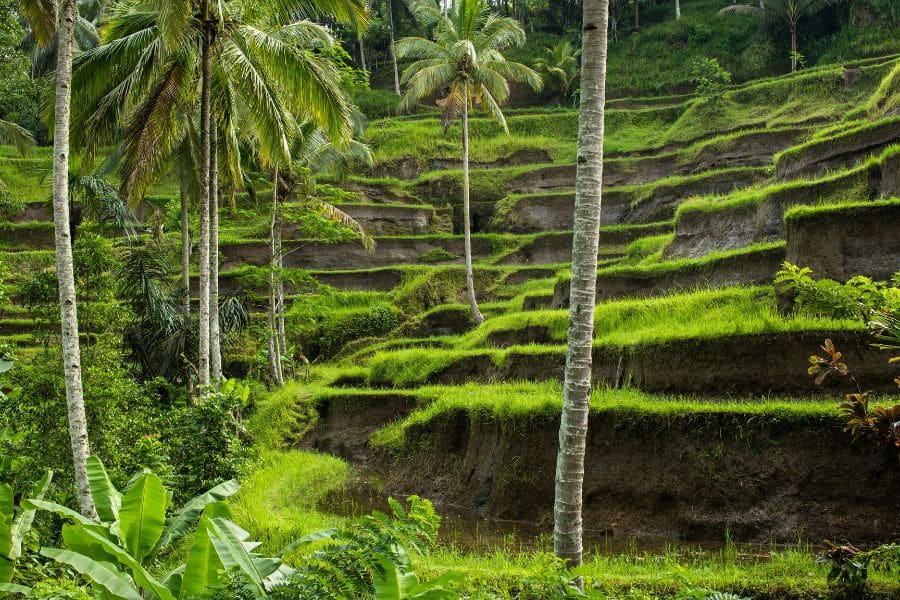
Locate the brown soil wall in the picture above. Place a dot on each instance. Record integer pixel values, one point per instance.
(841, 244)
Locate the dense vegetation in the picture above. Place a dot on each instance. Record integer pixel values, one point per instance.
(297, 259)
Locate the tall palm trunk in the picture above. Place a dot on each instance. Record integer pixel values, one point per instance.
(793, 28)
(279, 286)
(637, 14)
(205, 151)
(276, 372)
(677, 10)
(393, 52)
(362, 54)
(215, 338)
(185, 250)
(567, 535)
(65, 274)
(477, 317)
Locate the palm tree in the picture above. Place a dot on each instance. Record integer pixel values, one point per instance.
(785, 11)
(390, 12)
(567, 535)
(42, 16)
(464, 62)
(560, 64)
(43, 55)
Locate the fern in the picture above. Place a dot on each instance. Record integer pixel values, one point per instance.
(344, 562)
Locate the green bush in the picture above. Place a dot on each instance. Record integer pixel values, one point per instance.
(711, 79)
(859, 298)
(340, 328)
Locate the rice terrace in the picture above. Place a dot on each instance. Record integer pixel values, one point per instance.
(450, 299)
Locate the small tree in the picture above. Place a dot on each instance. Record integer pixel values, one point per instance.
(711, 79)
(560, 65)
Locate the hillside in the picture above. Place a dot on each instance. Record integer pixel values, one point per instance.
(708, 437)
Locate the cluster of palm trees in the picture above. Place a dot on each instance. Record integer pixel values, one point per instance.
(193, 87)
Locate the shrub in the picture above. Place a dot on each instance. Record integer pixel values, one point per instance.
(340, 328)
(711, 79)
(858, 298)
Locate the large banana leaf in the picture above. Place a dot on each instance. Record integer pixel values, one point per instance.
(22, 524)
(12, 588)
(77, 542)
(143, 578)
(114, 583)
(107, 498)
(235, 552)
(7, 510)
(203, 569)
(142, 516)
(63, 511)
(180, 524)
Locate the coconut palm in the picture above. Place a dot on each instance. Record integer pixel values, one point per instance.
(560, 65)
(464, 63)
(42, 15)
(261, 69)
(785, 11)
(567, 537)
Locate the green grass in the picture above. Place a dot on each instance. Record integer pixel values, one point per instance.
(700, 314)
(279, 501)
(844, 208)
(512, 572)
(832, 138)
(648, 268)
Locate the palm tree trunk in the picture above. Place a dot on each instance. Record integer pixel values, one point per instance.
(677, 10)
(793, 27)
(637, 14)
(279, 287)
(215, 337)
(275, 370)
(567, 536)
(205, 151)
(477, 317)
(71, 351)
(185, 250)
(362, 54)
(393, 51)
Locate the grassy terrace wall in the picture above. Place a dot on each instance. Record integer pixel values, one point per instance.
(766, 470)
(752, 216)
(840, 242)
(839, 149)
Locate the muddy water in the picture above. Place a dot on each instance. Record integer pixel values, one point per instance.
(465, 530)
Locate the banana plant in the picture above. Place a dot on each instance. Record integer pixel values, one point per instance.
(13, 529)
(115, 553)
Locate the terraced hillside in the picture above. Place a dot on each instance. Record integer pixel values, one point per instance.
(704, 416)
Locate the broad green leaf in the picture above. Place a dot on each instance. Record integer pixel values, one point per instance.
(63, 511)
(390, 583)
(107, 498)
(12, 588)
(77, 541)
(142, 515)
(203, 568)
(7, 570)
(142, 577)
(6, 516)
(22, 524)
(180, 524)
(113, 582)
(233, 550)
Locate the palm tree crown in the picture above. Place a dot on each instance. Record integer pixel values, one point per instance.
(466, 54)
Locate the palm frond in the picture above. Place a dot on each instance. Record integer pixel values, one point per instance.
(14, 134)
(331, 212)
(41, 15)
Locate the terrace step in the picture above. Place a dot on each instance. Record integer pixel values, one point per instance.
(748, 364)
(759, 216)
(753, 267)
(752, 149)
(651, 203)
